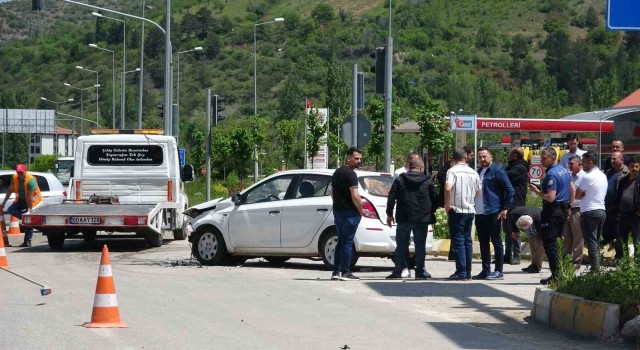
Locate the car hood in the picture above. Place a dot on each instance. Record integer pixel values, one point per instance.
(201, 208)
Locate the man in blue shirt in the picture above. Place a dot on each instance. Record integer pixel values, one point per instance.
(492, 204)
(557, 194)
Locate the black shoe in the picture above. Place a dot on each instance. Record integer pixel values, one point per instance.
(514, 261)
(335, 275)
(549, 280)
(25, 244)
(531, 269)
(481, 276)
(458, 277)
(423, 276)
(349, 277)
(394, 276)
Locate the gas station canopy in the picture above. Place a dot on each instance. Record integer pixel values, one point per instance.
(508, 125)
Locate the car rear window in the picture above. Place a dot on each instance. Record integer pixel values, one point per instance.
(5, 181)
(377, 185)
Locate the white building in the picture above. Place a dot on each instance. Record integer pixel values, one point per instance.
(62, 143)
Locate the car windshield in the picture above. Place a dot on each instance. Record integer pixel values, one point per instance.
(377, 185)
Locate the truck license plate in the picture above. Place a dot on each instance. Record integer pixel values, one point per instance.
(84, 220)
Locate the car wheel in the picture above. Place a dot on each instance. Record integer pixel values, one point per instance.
(154, 240)
(209, 247)
(328, 245)
(181, 233)
(55, 239)
(277, 260)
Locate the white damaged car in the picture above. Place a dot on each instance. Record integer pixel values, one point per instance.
(289, 214)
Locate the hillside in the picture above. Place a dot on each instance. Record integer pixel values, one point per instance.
(497, 58)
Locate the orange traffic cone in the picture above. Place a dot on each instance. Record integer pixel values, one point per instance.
(14, 226)
(105, 305)
(3, 256)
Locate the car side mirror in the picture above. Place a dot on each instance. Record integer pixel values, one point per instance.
(236, 199)
(187, 173)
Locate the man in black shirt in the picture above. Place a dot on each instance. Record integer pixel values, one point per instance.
(518, 173)
(347, 212)
(628, 203)
(616, 146)
(415, 194)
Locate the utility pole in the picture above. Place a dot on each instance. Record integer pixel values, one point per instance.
(354, 107)
(388, 98)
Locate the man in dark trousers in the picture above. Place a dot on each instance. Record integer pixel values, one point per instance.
(347, 212)
(415, 196)
(492, 204)
(518, 173)
(628, 203)
(557, 194)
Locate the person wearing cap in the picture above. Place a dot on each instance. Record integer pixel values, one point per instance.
(25, 186)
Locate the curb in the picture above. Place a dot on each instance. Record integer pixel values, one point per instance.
(575, 315)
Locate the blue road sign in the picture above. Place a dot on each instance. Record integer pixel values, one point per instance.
(622, 15)
(182, 157)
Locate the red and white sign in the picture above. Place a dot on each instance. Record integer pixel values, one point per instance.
(536, 172)
(553, 125)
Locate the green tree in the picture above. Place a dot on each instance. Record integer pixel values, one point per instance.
(287, 132)
(374, 110)
(323, 13)
(315, 131)
(44, 163)
(435, 135)
(290, 102)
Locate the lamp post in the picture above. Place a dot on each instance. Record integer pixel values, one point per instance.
(73, 139)
(81, 103)
(124, 57)
(255, 90)
(97, 91)
(198, 48)
(122, 126)
(113, 82)
(55, 134)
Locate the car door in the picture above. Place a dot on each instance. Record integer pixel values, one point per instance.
(305, 212)
(256, 222)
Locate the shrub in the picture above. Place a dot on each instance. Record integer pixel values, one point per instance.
(441, 228)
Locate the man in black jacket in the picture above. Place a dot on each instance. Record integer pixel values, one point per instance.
(518, 173)
(415, 195)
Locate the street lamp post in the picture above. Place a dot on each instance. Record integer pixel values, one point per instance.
(56, 103)
(73, 139)
(198, 48)
(122, 120)
(113, 82)
(97, 91)
(124, 57)
(255, 91)
(81, 103)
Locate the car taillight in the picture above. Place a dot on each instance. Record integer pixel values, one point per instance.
(64, 193)
(135, 220)
(368, 210)
(33, 219)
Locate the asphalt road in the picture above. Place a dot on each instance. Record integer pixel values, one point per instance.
(169, 302)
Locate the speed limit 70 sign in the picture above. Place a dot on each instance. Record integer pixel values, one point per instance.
(536, 172)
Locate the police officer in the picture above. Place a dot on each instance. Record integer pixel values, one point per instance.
(558, 193)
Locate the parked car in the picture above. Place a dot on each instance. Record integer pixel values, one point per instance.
(289, 214)
(51, 189)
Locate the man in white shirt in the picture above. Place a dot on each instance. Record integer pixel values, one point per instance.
(591, 191)
(460, 191)
(572, 143)
(572, 233)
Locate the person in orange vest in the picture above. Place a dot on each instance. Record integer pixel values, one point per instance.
(25, 186)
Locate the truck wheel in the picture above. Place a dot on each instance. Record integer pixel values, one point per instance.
(154, 240)
(276, 260)
(209, 247)
(56, 240)
(181, 233)
(328, 244)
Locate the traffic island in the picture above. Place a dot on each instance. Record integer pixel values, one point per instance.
(576, 315)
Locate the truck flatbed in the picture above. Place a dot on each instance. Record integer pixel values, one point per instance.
(95, 209)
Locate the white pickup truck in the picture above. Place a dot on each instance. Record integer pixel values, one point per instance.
(121, 183)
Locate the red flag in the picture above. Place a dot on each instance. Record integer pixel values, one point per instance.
(308, 103)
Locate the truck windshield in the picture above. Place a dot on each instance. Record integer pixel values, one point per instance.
(130, 155)
(63, 169)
